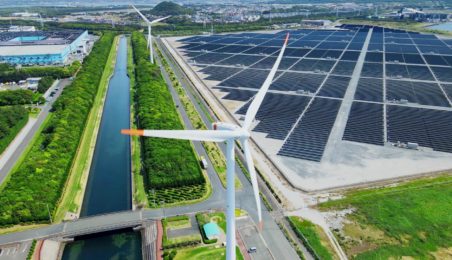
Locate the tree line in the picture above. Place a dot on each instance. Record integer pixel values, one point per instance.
(12, 119)
(12, 74)
(36, 186)
(167, 163)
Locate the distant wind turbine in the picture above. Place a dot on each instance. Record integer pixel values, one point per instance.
(229, 133)
(149, 23)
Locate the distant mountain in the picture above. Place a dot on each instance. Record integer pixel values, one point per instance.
(170, 8)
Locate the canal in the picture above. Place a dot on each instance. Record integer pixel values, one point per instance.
(109, 183)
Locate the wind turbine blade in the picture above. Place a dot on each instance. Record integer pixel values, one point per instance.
(160, 19)
(256, 103)
(142, 16)
(252, 171)
(193, 135)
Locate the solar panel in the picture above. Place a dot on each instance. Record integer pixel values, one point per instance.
(344, 68)
(249, 78)
(335, 86)
(443, 73)
(277, 114)
(300, 82)
(268, 62)
(372, 70)
(369, 89)
(241, 60)
(365, 124)
(427, 127)
(309, 138)
(237, 94)
(219, 73)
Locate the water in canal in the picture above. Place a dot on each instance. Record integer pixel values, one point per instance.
(442, 26)
(109, 183)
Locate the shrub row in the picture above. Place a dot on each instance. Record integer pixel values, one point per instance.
(36, 186)
(167, 163)
(13, 74)
(12, 119)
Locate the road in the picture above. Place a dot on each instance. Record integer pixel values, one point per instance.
(19, 146)
(272, 235)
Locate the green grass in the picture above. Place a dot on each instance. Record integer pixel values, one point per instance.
(177, 222)
(207, 252)
(183, 195)
(139, 193)
(309, 234)
(415, 218)
(72, 197)
(218, 217)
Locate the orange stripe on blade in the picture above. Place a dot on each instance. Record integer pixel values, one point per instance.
(287, 39)
(132, 132)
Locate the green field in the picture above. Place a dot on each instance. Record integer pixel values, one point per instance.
(209, 252)
(412, 219)
(312, 237)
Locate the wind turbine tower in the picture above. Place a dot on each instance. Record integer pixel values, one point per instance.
(149, 23)
(229, 133)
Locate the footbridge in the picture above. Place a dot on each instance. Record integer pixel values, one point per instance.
(66, 231)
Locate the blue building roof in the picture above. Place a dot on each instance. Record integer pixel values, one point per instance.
(211, 229)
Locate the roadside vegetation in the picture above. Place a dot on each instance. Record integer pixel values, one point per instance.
(213, 150)
(313, 238)
(409, 220)
(35, 186)
(206, 252)
(12, 119)
(139, 194)
(169, 165)
(9, 73)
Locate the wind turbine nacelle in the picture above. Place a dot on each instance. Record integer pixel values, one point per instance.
(224, 126)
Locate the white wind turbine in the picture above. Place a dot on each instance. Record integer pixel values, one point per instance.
(149, 23)
(229, 133)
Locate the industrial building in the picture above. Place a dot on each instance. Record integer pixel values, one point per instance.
(41, 47)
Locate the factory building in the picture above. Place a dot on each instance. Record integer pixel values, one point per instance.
(41, 47)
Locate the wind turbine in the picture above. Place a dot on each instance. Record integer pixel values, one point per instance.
(151, 50)
(229, 133)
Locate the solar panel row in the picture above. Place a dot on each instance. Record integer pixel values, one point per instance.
(242, 62)
(427, 127)
(310, 136)
(365, 124)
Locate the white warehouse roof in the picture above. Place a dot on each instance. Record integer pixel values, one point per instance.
(31, 50)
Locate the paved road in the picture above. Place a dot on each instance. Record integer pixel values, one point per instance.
(11, 161)
(16, 251)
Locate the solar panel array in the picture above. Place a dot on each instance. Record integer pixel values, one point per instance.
(400, 69)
